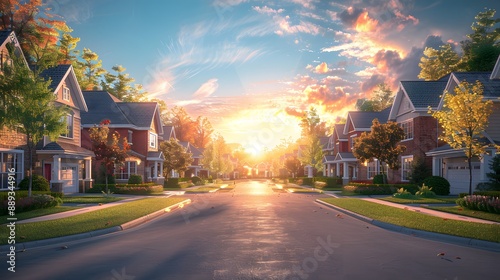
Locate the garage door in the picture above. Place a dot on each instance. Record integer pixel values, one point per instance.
(458, 176)
(69, 176)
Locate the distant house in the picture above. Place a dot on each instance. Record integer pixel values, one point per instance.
(196, 167)
(139, 122)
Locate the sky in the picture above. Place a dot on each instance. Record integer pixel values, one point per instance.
(253, 67)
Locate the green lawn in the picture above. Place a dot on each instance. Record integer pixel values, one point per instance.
(469, 213)
(421, 200)
(415, 220)
(38, 213)
(303, 190)
(202, 189)
(91, 199)
(100, 219)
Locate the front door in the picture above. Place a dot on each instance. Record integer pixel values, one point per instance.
(69, 176)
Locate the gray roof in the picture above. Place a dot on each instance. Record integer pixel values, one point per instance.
(168, 131)
(328, 158)
(491, 87)
(66, 148)
(102, 105)
(56, 73)
(323, 141)
(339, 129)
(364, 119)
(424, 93)
(156, 155)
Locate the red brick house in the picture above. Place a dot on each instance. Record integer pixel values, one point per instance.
(139, 122)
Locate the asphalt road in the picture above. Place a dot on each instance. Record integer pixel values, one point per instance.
(255, 233)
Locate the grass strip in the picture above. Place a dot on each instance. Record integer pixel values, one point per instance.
(202, 189)
(37, 213)
(467, 212)
(91, 199)
(418, 221)
(421, 200)
(304, 190)
(100, 219)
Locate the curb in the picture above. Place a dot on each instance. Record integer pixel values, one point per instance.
(74, 237)
(457, 240)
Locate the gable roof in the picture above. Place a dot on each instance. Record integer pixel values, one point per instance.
(168, 132)
(102, 105)
(61, 73)
(423, 94)
(491, 87)
(362, 121)
(339, 131)
(10, 37)
(323, 141)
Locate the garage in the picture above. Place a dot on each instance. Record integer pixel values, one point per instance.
(457, 173)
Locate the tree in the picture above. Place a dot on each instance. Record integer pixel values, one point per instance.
(203, 133)
(436, 64)
(311, 124)
(176, 156)
(120, 84)
(215, 156)
(381, 143)
(29, 107)
(381, 100)
(183, 124)
(464, 117)
(293, 165)
(312, 153)
(107, 148)
(92, 68)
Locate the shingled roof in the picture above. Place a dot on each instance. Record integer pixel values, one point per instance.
(491, 87)
(423, 94)
(57, 74)
(363, 120)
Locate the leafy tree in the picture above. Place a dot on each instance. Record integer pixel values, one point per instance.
(204, 132)
(176, 156)
(381, 143)
(436, 64)
(293, 165)
(29, 106)
(120, 84)
(183, 124)
(464, 118)
(215, 156)
(107, 147)
(494, 175)
(419, 171)
(312, 153)
(92, 68)
(381, 100)
(311, 124)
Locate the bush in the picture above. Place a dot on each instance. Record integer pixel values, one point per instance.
(172, 183)
(379, 179)
(319, 184)
(139, 189)
(376, 189)
(439, 185)
(425, 191)
(307, 181)
(197, 180)
(481, 203)
(419, 171)
(22, 194)
(135, 179)
(403, 194)
(99, 188)
(39, 183)
(31, 203)
(488, 193)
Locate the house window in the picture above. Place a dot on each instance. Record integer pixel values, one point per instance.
(352, 141)
(124, 171)
(375, 167)
(68, 132)
(153, 140)
(129, 138)
(408, 129)
(406, 168)
(66, 93)
(11, 165)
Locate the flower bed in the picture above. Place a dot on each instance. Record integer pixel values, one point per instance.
(378, 189)
(481, 203)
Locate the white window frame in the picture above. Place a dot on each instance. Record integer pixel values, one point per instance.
(69, 127)
(374, 167)
(352, 141)
(66, 94)
(129, 168)
(18, 161)
(406, 168)
(153, 140)
(408, 128)
(130, 137)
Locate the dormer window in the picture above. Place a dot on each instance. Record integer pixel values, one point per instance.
(66, 94)
(153, 140)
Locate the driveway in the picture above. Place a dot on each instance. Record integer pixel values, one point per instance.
(255, 233)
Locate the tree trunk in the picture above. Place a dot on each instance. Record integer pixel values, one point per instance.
(30, 152)
(469, 160)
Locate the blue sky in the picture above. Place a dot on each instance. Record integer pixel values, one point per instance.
(252, 66)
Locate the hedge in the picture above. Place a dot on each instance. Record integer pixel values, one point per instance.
(488, 193)
(21, 194)
(331, 182)
(378, 189)
(30, 203)
(39, 183)
(139, 189)
(171, 183)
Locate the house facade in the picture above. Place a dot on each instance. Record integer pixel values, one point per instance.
(139, 123)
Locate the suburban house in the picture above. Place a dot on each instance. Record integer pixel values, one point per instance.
(196, 167)
(452, 164)
(139, 122)
(62, 161)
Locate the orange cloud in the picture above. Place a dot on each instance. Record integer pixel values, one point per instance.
(322, 68)
(364, 23)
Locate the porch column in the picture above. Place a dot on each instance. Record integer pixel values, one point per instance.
(88, 168)
(485, 166)
(161, 168)
(337, 169)
(436, 166)
(155, 170)
(56, 169)
(346, 171)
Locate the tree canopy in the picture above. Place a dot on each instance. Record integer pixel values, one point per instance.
(382, 99)
(176, 156)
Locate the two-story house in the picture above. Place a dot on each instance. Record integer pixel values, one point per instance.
(139, 122)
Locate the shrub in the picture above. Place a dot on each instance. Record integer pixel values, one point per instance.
(481, 203)
(22, 194)
(439, 185)
(376, 189)
(403, 194)
(307, 181)
(31, 203)
(319, 184)
(135, 179)
(99, 188)
(139, 189)
(463, 194)
(197, 180)
(488, 193)
(172, 183)
(425, 191)
(419, 171)
(39, 183)
(379, 179)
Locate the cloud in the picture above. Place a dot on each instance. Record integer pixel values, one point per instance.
(207, 89)
(306, 3)
(266, 10)
(368, 85)
(322, 68)
(294, 111)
